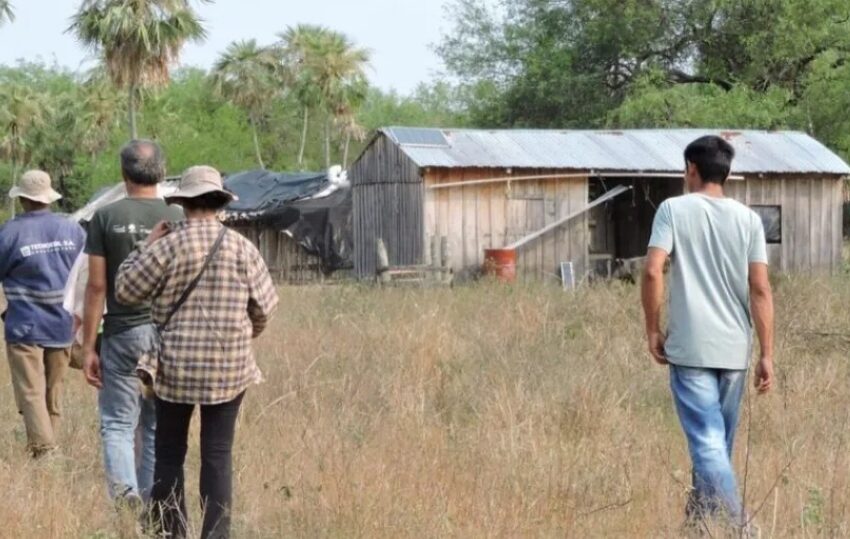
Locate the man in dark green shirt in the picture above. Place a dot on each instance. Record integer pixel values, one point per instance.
(113, 233)
(128, 332)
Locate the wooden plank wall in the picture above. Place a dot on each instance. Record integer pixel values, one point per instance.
(479, 217)
(388, 204)
(812, 213)
(287, 261)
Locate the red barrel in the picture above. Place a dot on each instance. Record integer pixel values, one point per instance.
(500, 263)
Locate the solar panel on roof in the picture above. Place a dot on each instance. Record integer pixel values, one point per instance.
(420, 137)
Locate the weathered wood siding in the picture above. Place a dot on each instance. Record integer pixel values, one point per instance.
(485, 216)
(287, 261)
(811, 219)
(393, 201)
(388, 202)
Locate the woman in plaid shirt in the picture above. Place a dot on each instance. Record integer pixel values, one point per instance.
(206, 357)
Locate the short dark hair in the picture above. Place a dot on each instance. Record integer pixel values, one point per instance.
(142, 162)
(713, 158)
(210, 201)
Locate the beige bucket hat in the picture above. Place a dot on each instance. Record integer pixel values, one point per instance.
(35, 185)
(200, 180)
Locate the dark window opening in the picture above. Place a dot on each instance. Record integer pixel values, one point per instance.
(771, 217)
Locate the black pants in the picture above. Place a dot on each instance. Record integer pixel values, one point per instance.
(168, 499)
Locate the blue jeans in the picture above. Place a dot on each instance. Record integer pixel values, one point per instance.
(708, 402)
(124, 414)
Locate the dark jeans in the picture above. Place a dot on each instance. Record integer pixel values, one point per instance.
(218, 423)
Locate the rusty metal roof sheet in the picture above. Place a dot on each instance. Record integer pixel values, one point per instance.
(638, 150)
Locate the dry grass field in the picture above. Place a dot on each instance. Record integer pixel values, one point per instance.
(482, 411)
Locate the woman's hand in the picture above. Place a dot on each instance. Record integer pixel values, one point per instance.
(162, 229)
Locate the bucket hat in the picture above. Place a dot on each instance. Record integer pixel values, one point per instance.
(200, 180)
(35, 185)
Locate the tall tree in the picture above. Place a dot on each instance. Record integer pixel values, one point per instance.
(340, 68)
(297, 47)
(6, 12)
(586, 63)
(344, 106)
(99, 111)
(546, 63)
(763, 64)
(245, 75)
(55, 143)
(328, 71)
(21, 111)
(139, 40)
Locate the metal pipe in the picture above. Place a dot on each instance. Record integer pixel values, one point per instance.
(591, 174)
(619, 190)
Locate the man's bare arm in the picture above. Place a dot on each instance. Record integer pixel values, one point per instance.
(92, 317)
(652, 296)
(761, 304)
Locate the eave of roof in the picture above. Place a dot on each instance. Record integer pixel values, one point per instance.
(639, 150)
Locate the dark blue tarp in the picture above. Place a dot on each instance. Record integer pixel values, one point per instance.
(262, 190)
(322, 226)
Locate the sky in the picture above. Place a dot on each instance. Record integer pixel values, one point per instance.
(399, 33)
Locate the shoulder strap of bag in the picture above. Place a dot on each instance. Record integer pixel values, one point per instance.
(192, 285)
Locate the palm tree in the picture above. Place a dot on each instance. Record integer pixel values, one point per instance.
(21, 111)
(245, 75)
(326, 70)
(6, 13)
(55, 143)
(99, 107)
(297, 47)
(139, 40)
(340, 75)
(344, 106)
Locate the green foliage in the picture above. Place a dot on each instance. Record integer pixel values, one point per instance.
(652, 103)
(825, 101)
(82, 128)
(246, 75)
(554, 64)
(138, 40)
(655, 63)
(430, 106)
(327, 71)
(813, 511)
(6, 12)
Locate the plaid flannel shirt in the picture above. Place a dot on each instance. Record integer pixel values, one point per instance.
(206, 355)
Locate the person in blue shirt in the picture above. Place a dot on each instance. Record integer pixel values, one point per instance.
(37, 251)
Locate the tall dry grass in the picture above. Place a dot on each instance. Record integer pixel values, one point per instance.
(483, 411)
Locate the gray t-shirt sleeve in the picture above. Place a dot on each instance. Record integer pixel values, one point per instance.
(758, 246)
(662, 229)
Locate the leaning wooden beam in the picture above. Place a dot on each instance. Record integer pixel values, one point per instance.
(589, 174)
(619, 190)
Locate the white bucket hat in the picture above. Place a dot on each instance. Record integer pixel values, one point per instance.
(35, 185)
(200, 180)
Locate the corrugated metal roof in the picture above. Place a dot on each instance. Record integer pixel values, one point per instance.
(638, 150)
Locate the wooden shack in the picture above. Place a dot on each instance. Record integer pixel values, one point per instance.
(484, 189)
(287, 261)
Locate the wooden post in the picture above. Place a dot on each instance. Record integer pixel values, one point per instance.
(445, 257)
(436, 260)
(445, 260)
(383, 262)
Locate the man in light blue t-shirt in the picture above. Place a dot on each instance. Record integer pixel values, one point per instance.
(718, 287)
